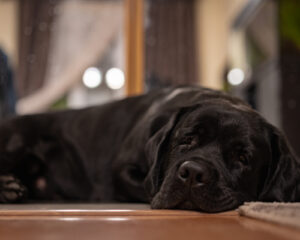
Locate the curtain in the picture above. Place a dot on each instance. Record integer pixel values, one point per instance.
(289, 33)
(170, 43)
(83, 33)
(35, 27)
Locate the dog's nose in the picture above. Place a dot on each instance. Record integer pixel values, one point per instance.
(192, 173)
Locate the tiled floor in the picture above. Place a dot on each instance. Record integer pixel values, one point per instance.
(125, 221)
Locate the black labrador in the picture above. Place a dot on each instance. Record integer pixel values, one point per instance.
(177, 148)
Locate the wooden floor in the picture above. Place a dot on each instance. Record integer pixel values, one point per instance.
(130, 222)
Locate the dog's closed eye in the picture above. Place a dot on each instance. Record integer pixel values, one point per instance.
(237, 159)
(243, 159)
(188, 140)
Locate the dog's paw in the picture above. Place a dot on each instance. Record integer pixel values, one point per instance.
(11, 189)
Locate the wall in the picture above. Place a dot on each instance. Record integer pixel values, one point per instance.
(8, 29)
(213, 21)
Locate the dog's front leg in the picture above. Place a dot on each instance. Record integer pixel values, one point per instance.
(11, 153)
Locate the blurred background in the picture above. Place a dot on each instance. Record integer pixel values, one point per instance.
(57, 54)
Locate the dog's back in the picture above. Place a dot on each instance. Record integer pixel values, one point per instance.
(68, 155)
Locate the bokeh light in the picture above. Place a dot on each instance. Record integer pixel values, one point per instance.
(115, 78)
(236, 76)
(92, 77)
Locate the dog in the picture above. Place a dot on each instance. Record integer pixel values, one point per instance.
(176, 148)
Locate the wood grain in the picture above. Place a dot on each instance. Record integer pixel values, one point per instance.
(116, 222)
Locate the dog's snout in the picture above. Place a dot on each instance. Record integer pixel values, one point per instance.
(192, 173)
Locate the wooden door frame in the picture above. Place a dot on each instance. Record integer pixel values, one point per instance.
(134, 42)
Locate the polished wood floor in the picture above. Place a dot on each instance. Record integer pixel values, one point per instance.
(131, 222)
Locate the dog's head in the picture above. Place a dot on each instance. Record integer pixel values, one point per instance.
(216, 155)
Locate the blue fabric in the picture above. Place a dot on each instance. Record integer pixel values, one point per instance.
(7, 90)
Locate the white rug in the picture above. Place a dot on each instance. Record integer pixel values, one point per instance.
(282, 213)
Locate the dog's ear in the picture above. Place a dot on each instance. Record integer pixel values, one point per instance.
(156, 148)
(135, 161)
(283, 176)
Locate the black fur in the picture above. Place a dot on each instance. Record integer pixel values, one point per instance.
(137, 150)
